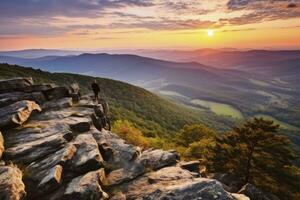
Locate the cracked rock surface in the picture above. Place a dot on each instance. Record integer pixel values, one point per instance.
(50, 150)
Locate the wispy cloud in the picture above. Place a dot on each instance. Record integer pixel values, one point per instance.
(262, 10)
(83, 17)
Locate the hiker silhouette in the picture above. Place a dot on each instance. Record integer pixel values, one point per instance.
(96, 90)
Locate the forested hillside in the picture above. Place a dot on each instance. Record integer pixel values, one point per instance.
(151, 114)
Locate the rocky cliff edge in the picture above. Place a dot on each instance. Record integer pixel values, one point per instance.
(51, 150)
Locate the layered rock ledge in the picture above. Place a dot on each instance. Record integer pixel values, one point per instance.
(51, 150)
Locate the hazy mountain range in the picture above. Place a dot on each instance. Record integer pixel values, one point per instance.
(228, 82)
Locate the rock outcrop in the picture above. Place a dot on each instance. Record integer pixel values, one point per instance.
(63, 155)
(11, 185)
(17, 113)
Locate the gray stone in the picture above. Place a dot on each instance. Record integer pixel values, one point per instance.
(35, 130)
(86, 187)
(174, 183)
(80, 124)
(147, 161)
(120, 153)
(38, 88)
(56, 93)
(87, 156)
(10, 98)
(11, 185)
(157, 158)
(31, 151)
(65, 113)
(16, 114)
(51, 180)
(9, 85)
(46, 174)
(57, 104)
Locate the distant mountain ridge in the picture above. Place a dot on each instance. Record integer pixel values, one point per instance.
(252, 89)
(36, 53)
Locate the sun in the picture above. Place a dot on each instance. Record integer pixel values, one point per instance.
(210, 33)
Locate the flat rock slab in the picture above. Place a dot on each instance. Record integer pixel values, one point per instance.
(157, 158)
(8, 85)
(16, 114)
(56, 93)
(10, 98)
(46, 174)
(57, 104)
(86, 187)
(174, 183)
(147, 161)
(65, 113)
(35, 130)
(29, 152)
(11, 185)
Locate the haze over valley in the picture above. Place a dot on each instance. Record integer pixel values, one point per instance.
(247, 84)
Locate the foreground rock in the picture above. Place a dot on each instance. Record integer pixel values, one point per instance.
(147, 161)
(86, 187)
(17, 113)
(15, 84)
(10, 98)
(11, 185)
(87, 156)
(64, 156)
(174, 183)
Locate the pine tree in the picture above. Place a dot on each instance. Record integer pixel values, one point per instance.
(255, 153)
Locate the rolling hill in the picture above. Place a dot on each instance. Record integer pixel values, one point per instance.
(152, 114)
(230, 92)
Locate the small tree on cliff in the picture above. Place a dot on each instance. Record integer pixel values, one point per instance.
(254, 152)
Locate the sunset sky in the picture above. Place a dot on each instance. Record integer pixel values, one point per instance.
(133, 24)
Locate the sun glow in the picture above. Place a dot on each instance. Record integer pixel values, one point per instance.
(210, 33)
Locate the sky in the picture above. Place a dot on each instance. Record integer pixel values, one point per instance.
(149, 24)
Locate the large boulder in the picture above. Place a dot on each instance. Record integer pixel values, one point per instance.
(30, 151)
(86, 187)
(116, 152)
(9, 85)
(157, 158)
(10, 98)
(87, 156)
(147, 161)
(38, 88)
(174, 183)
(57, 104)
(80, 124)
(1, 145)
(16, 114)
(56, 93)
(11, 185)
(46, 174)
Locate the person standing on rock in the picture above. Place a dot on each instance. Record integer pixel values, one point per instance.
(96, 90)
